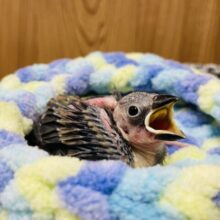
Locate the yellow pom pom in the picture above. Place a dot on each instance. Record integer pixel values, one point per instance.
(3, 215)
(134, 56)
(121, 78)
(10, 82)
(32, 86)
(190, 152)
(41, 177)
(192, 192)
(12, 120)
(97, 60)
(199, 72)
(211, 143)
(58, 83)
(206, 93)
(63, 214)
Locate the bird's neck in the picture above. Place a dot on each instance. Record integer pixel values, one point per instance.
(145, 156)
(146, 149)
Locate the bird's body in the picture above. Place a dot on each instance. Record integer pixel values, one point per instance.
(100, 128)
(72, 127)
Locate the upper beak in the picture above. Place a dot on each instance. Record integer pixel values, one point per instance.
(160, 121)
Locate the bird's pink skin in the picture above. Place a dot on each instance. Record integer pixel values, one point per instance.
(105, 119)
(103, 102)
(108, 102)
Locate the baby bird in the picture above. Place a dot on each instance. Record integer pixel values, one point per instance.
(133, 129)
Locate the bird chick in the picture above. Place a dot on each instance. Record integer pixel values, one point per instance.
(133, 129)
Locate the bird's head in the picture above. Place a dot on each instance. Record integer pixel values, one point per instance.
(145, 119)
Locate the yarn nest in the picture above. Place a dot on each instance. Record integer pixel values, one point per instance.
(35, 185)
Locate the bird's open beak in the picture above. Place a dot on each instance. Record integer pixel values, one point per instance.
(160, 121)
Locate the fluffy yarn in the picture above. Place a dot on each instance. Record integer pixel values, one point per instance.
(34, 185)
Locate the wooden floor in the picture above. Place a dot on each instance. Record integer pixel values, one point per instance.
(33, 31)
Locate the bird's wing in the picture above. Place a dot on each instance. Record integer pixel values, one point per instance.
(73, 127)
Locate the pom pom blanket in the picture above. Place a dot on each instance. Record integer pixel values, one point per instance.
(35, 185)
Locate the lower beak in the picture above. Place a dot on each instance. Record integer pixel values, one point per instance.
(160, 120)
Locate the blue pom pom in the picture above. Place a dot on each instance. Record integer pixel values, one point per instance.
(142, 80)
(35, 72)
(25, 101)
(8, 138)
(187, 87)
(215, 150)
(43, 94)
(172, 149)
(177, 65)
(6, 175)
(135, 196)
(152, 59)
(191, 118)
(84, 202)
(79, 67)
(77, 84)
(190, 140)
(59, 64)
(216, 199)
(167, 79)
(119, 59)
(99, 176)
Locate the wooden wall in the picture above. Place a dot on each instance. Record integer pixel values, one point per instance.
(34, 31)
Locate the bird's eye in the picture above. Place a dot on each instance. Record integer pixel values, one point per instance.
(133, 111)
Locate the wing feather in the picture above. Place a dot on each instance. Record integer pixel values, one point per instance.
(72, 127)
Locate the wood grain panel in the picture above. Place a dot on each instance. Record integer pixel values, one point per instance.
(34, 31)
